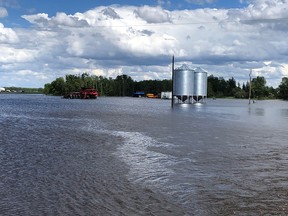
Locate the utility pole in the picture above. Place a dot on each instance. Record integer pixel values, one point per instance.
(250, 87)
(172, 99)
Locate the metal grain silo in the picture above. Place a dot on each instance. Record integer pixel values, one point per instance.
(200, 85)
(183, 84)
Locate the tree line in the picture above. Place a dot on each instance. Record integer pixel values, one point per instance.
(124, 85)
(24, 90)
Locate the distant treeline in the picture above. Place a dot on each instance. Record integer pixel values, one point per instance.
(123, 85)
(24, 90)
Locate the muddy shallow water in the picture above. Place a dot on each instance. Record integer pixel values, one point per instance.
(137, 156)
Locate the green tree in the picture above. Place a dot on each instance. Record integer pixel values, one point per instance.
(239, 93)
(73, 83)
(58, 86)
(231, 86)
(283, 89)
(47, 89)
(259, 89)
(212, 86)
(124, 85)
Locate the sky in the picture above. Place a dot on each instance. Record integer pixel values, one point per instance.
(42, 40)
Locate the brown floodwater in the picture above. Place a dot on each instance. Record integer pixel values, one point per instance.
(137, 156)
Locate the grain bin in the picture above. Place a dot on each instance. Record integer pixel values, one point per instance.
(200, 85)
(183, 84)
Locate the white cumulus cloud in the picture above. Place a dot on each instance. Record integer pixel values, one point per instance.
(7, 35)
(152, 14)
(140, 41)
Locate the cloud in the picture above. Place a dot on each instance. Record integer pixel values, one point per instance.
(110, 13)
(7, 35)
(140, 41)
(9, 3)
(3, 12)
(152, 14)
(40, 19)
(264, 14)
(68, 20)
(10, 55)
(200, 2)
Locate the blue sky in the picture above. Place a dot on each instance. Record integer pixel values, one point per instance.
(42, 40)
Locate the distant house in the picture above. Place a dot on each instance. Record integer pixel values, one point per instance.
(166, 95)
(2, 89)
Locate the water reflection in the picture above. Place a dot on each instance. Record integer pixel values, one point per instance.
(284, 113)
(269, 112)
(256, 111)
(197, 106)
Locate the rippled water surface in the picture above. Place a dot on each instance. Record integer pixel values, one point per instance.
(137, 156)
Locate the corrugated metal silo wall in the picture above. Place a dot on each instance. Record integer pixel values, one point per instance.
(200, 84)
(183, 82)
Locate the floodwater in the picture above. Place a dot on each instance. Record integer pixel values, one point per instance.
(137, 156)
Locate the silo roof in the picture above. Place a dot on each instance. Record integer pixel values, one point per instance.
(184, 67)
(200, 70)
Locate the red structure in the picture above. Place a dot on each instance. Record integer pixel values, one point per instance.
(88, 93)
(85, 93)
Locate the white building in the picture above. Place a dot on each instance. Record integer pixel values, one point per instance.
(166, 95)
(2, 89)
